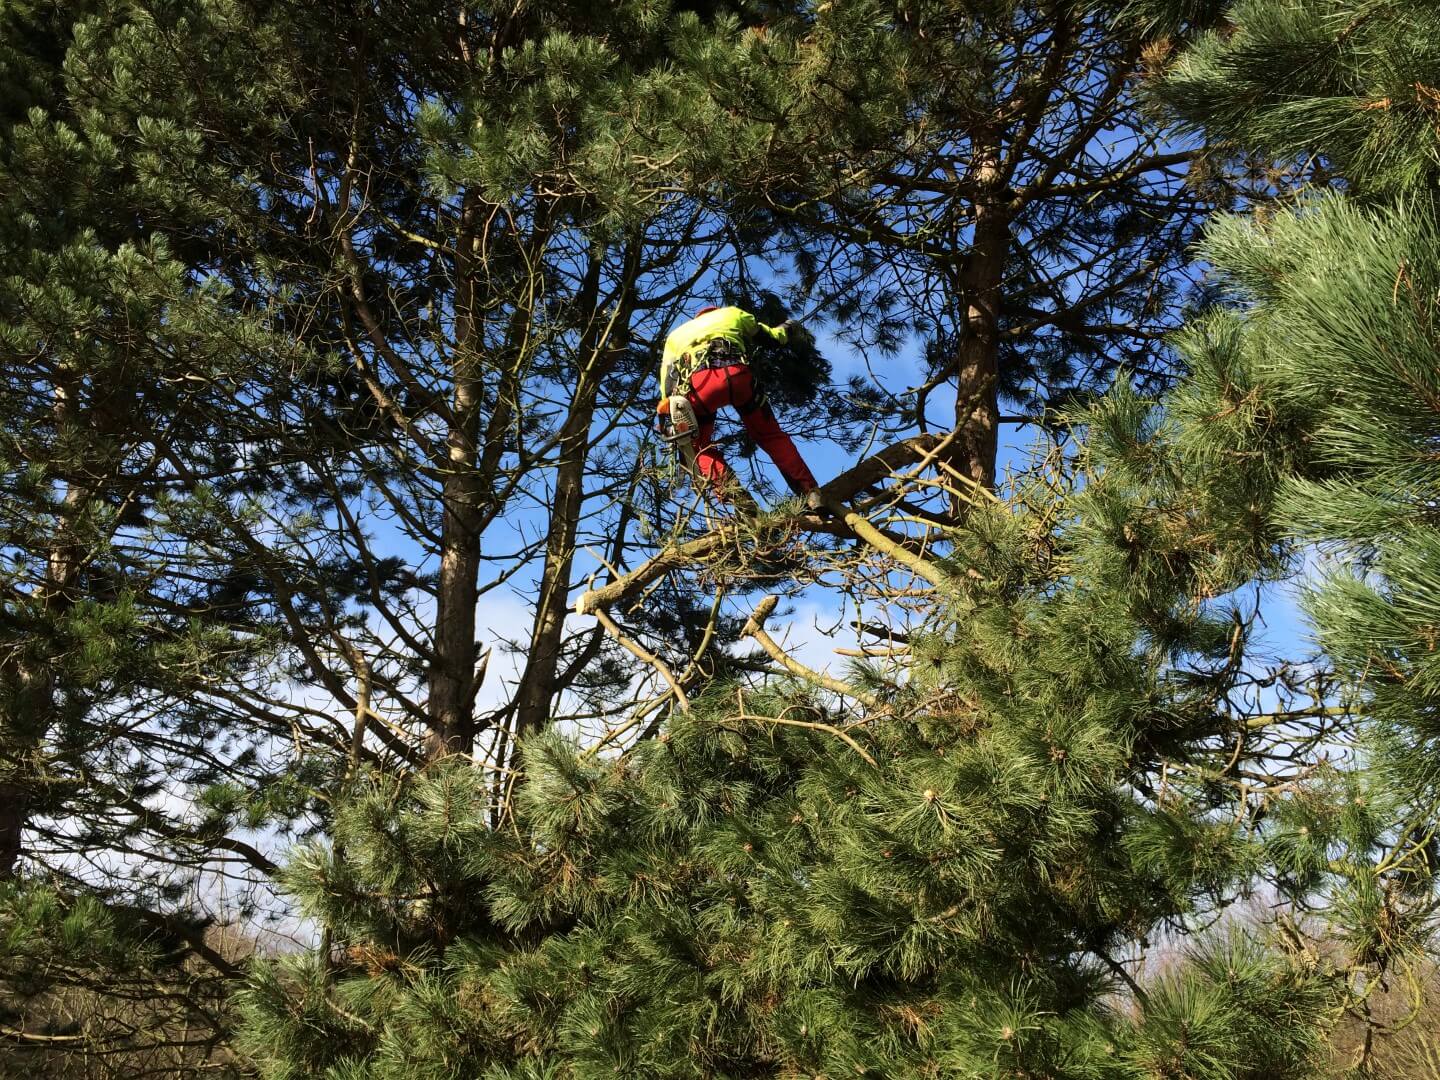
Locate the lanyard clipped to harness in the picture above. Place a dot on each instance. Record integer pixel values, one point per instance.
(715, 353)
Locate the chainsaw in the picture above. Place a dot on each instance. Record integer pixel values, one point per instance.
(680, 427)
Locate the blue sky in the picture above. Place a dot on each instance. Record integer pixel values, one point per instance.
(815, 621)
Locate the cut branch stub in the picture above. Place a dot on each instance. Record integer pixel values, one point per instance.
(756, 623)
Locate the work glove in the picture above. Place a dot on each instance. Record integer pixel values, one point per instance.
(796, 335)
(662, 411)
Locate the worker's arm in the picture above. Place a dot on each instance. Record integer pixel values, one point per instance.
(751, 328)
(776, 334)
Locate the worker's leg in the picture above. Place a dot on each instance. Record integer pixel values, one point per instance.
(707, 455)
(708, 392)
(760, 422)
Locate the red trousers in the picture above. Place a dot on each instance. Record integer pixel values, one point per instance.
(712, 388)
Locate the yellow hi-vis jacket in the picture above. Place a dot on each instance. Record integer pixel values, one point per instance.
(685, 346)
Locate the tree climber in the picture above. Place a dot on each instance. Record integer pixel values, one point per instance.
(707, 360)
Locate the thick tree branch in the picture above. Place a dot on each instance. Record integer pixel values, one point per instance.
(864, 475)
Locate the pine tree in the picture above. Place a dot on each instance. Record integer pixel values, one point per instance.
(985, 179)
(968, 865)
(1067, 764)
(269, 279)
(395, 273)
(947, 864)
(477, 270)
(1318, 384)
(128, 786)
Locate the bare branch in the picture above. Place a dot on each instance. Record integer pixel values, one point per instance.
(755, 628)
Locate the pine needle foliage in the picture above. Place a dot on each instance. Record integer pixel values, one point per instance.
(1320, 381)
(1353, 82)
(746, 895)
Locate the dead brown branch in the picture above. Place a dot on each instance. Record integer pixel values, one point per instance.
(866, 474)
(755, 628)
(813, 725)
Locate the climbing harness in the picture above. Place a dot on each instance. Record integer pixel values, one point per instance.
(715, 353)
(706, 365)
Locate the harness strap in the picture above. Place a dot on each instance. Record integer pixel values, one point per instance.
(721, 352)
(715, 353)
(757, 401)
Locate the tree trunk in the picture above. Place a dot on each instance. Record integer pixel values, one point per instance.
(29, 681)
(977, 409)
(24, 727)
(537, 687)
(452, 665)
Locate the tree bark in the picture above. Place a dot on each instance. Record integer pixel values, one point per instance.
(538, 687)
(977, 407)
(32, 690)
(32, 695)
(452, 664)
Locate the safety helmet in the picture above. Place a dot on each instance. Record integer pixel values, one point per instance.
(707, 307)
